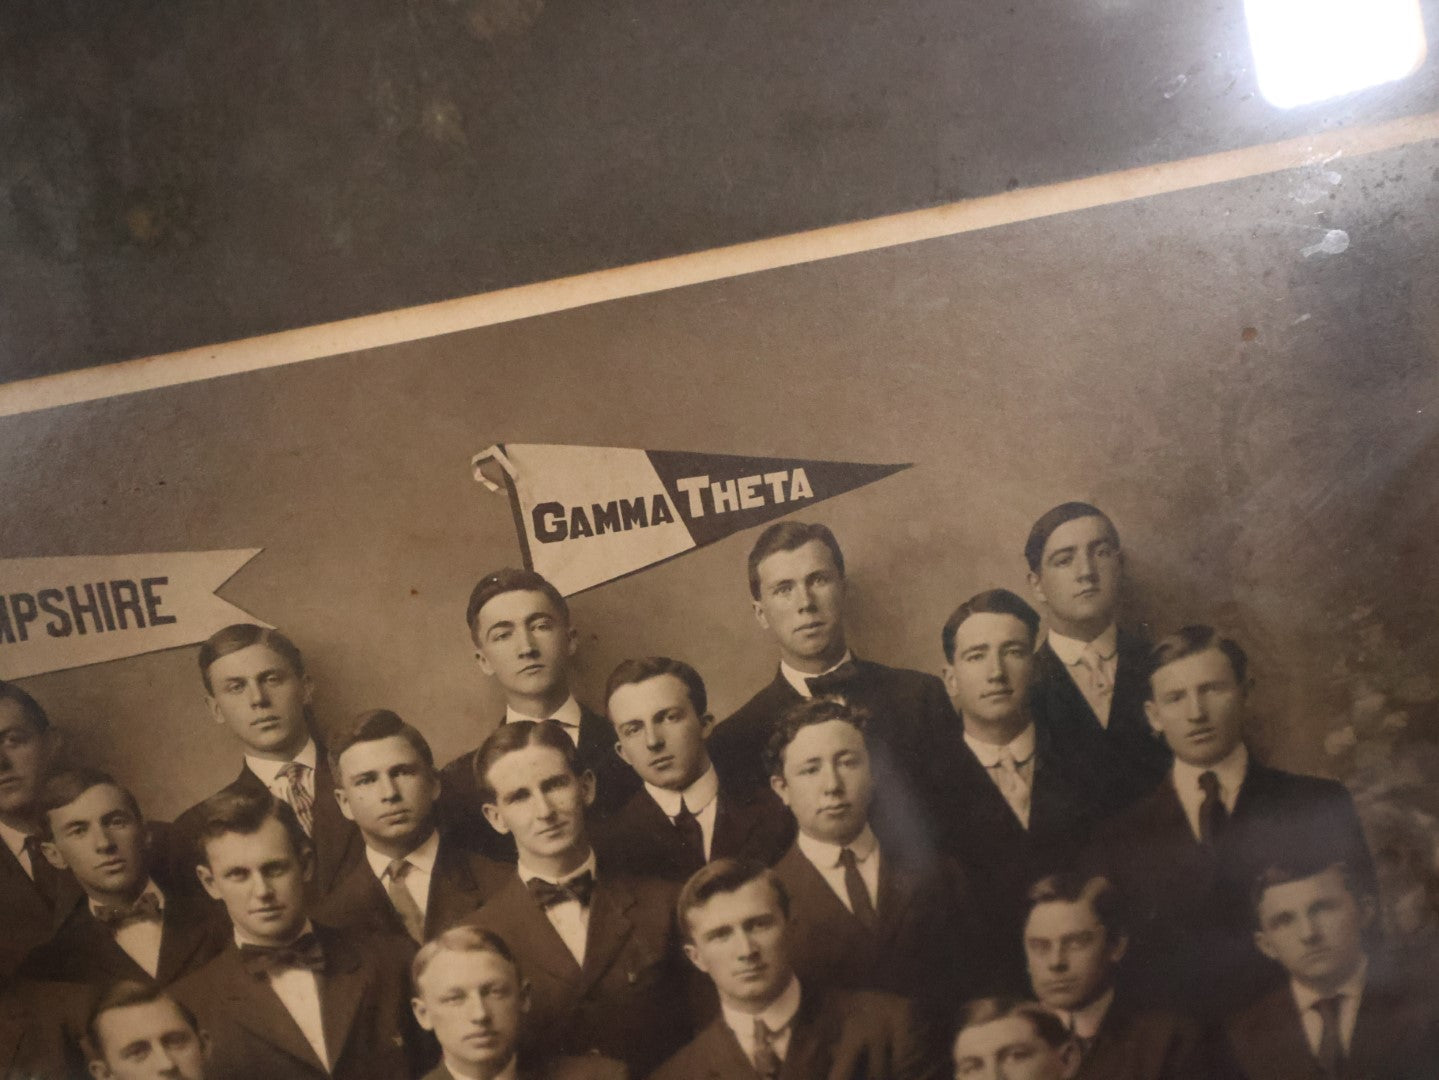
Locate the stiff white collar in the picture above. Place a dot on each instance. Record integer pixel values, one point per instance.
(800, 679)
(776, 1016)
(826, 855)
(422, 858)
(269, 771)
(1071, 649)
(1021, 748)
(527, 874)
(1352, 988)
(696, 797)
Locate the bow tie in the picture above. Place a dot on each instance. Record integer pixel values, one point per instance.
(578, 888)
(145, 909)
(833, 682)
(304, 952)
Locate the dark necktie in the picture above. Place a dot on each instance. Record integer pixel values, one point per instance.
(1078, 1039)
(1213, 815)
(304, 952)
(691, 835)
(403, 903)
(859, 901)
(145, 909)
(46, 877)
(833, 682)
(1331, 1050)
(579, 888)
(766, 1058)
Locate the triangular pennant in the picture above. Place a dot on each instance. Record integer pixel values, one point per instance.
(589, 514)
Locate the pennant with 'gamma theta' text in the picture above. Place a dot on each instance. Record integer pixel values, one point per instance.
(589, 514)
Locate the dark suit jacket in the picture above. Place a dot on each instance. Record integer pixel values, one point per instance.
(909, 712)
(338, 845)
(589, 1067)
(27, 920)
(1145, 1044)
(1115, 765)
(1394, 1039)
(461, 809)
(837, 1035)
(631, 997)
(923, 946)
(641, 840)
(461, 882)
(1192, 945)
(370, 1032)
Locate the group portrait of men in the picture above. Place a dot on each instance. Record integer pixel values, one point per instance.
(1054, 858)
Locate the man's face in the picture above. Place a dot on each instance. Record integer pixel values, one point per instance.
(473, 1002)
(1079, 575)
(1315, 928)
(26, 755)
(739, 939)
(257, 695)
(989, 678)
(101, 840)
(661, 735)
(260, 879)
(1071, 959)
(827, 782)
(801, 602)
(387, 789)
(150, 1041)
(525, 643)
(540, 801)
(1198, 706)
(1010, 1049)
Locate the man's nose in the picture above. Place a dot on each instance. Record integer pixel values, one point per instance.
(805, 595)
(262, 887)
(528, 645)
(479, 1011)
(654, 737)
(104, 840)
(389, 790)
(749, 945)
(1085, 567)
(833, 782)
(259, 696)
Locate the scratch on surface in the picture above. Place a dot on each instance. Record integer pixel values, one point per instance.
(1335, 241)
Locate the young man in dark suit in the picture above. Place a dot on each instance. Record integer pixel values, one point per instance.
(1185, 853)
(1007, 1039)
(289, 999)
(470, 992)
(1341, 1014)
(416, 878)
(520, 625)
(1009, 811)
(34, 896)
(1074, 940)
(138, 1032)
(862, 915)
(257, 688)
(1090, 684)
(686, 814)
(797, 587)
(599, 948)
(773, 1025)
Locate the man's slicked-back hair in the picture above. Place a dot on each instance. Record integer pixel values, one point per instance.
(461, 939)
(987, 1010)
(241, 636)
(29, 707)
(516, 735)
(1190, 641)
(1096, 890)
(126, 994)
(725, 876)
(1302, 861)
(630, 672)
(245, 813)
(790, 536)
(803, 714)
(507, 580)
(989, 602)
(373, 726)
(1043, 529)
(67, 785)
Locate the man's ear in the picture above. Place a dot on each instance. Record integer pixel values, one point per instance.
(494, 817)
(307, 689)
(1118, 948)
(1264, 945)
(706, 722)
(572, 641)
(695, 958)
(620, 751)
(422, 1013)
(1037, 588)
(759, 614)
(1151, 713)
(1368, 912)
(53, 856)
(526, 998)
(214, 707)
(587, 787)
(207, 880)
(307, 862)
(99, 1070)
(951, 681)
(1070, 1058)
(780, 788)
(484, 662)
(344, 802)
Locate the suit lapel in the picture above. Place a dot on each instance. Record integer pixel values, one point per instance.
(898, 886)
(258, 1009)
(726, 1059)
(93, 943)
(990, 815)
(828, 917)
(342, 987)
(811, 1040)
(1063, 694)
(185, 930)
(609, 929)
(334, 834)
(516, 906)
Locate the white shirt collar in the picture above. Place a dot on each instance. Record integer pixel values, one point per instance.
(14, 839)
(1071, 649)
(800, 679)
(826, 855)
(150, 887)
(509, 1072)
(422, 858)
(567, 715)
(1353, 987)
(696, 797)
(526, 873)
(1021, 748)
(776, 1016)
(1230, 771)
(242, 938)
(269, 771)
(1086, 1022)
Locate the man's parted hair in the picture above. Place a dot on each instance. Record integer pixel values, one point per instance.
(987, 1010)
(516, 735)
(246, 814)
(790, 536)
(241, 636)
(64, 787)
(630, 672)
(373, 726)
(807, 713)
(123, 995)
(1299, 864)
(1189, 641)
(29, 707)
(461, 939)
(1096, 890)
(508, 580)
(1043, 529)
(720, 877)
(989, 602)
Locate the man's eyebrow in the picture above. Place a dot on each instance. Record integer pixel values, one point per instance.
(503, 624)
(1068, 549)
